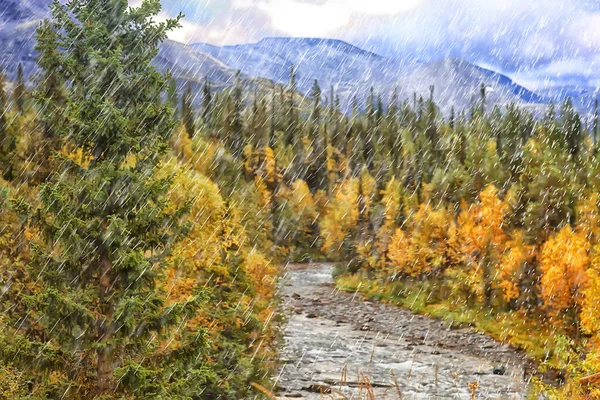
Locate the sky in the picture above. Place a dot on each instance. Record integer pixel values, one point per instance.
(536, 42)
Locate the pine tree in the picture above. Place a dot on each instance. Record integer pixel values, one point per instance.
(172, 99)
(96, 323)
(316, 163)
(236, 134)
(8, 141)
(482, 99)
(291, 131)
(3, 107)
(187, 111)
(571, 126)
(431, 127)
(206, 103)
(20, 91)
(316, 94)
(273, 120)
(595, 126)
(258, 129)
(50, 94)
(393, 138)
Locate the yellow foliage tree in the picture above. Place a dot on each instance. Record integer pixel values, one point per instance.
(341, 217)
(563, 262)
(482, 239)
(391, 203)
(421, 249)
(590, 317)
(217, 258)
(517, 253)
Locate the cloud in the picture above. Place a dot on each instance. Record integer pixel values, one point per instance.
(298, 18)
(319, 18)
(515, 36)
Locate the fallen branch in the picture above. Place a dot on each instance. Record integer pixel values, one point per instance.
(262, 389)
(589, 380)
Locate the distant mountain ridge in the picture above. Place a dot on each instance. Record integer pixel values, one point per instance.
(22, 10)
(352, 71)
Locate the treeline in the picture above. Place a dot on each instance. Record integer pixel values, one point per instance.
(125, 271)
(493, 208)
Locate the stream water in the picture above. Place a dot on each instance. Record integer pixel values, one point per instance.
(340, 346)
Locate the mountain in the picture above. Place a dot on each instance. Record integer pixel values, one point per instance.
(352, 71)
(19, 20)
(457, 83)
(331, 62)
(12, 11)
(583, 96)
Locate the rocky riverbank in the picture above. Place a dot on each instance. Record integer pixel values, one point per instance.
(339, 345)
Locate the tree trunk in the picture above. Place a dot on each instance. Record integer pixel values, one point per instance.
(105, 362)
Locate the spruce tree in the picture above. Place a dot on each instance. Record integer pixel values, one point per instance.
(316, 174)
(50, 91)
(8, 141)
(482, 99)
(3, 106)
(187, 111)
(206, 103)
(571, 126)
(393, 138)
(595, 127)
(96, 322)
(273, 119)
(236, 135)
(172, 99)
(19, 92)
(291, 131)
(431, 127)
(316, 94)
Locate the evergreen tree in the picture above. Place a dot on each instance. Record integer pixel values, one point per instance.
(236, 134)
(316, 173)
(258, 135)
(96, 322)
(315, 94)
(393, 138)
(572, 127)
(3, 106)
(206, 103)
(20, 91)
(172, 98)
(8, 142)
(50, 94)
(273, 120)
(291, 112)
(595, 125)
(482, 99)
(187, 111)
(431, 128)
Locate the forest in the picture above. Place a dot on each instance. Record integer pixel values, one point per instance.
(141, 235)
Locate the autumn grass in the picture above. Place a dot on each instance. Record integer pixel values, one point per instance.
(511, 327)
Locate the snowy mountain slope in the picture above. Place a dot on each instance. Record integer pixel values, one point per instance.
(332, 62)
(457, 83)
(352, 71)
(22, 10)
(18, 23)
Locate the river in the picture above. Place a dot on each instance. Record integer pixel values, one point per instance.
(340, 346)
